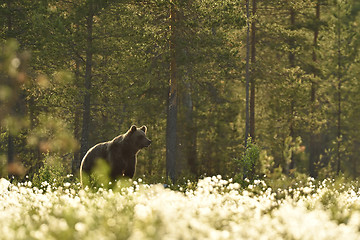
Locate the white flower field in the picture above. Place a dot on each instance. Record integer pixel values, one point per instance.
(211, 209)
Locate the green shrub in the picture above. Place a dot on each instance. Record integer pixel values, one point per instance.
(246, 164)
(52, 172)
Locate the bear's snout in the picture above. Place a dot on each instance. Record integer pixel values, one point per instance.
(147, 143)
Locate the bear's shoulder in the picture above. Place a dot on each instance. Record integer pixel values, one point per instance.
(118, 139)
(102, 146)
(100, 149)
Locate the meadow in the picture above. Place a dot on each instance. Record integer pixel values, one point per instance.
(212, 208)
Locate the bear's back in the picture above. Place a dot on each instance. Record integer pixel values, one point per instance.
(99, 151)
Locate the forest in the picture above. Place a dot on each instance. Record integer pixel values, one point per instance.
(232, 88)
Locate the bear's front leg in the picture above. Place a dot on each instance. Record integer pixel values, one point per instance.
(117, 169)
(130, 169)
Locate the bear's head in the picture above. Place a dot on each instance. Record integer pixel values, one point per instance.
(137, 137)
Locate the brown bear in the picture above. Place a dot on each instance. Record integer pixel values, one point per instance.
(120, 153)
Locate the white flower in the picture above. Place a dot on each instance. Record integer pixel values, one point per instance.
(142, 212)
(80, 227)
(4, 184)
(307, 190)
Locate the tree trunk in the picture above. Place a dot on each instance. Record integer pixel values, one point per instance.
(292, 64)
(171, 136)
(314, 143)
(339, 76)
(10, 158)
(88, 78)
(253, 70)
(10, 149)
(9, 32)
(338, 168)
(76, 160)
(247, 73)
(191, 131)
(291, 41)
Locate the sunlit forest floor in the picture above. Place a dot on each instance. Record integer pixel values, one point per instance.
(212, 208)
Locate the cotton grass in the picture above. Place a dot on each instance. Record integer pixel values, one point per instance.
(215, 209)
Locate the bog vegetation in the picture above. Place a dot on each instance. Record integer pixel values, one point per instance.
(212, 208)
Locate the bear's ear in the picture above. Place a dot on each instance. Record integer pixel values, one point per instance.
(143, 128)
(133, 129)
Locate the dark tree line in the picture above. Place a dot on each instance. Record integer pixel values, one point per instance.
(199, 74)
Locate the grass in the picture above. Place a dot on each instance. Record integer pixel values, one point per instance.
(212, 208)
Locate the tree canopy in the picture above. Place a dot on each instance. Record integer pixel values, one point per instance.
(75, 73)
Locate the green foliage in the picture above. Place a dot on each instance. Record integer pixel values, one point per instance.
(100, 176)
(291, 147)
(12, 80)
(248, 161)
(265, 165)
(52, 135)
(3, 165)
(51, 173)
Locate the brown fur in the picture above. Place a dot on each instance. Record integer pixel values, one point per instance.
(120, 153)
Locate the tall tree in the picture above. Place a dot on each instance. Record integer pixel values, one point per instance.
(92, 8)
(88, 79)
(10, 155)
(253, 71)
(13, 27)
(247, 73)
(314, 136)
(292, 65)
(339, 84)
(171, 123)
